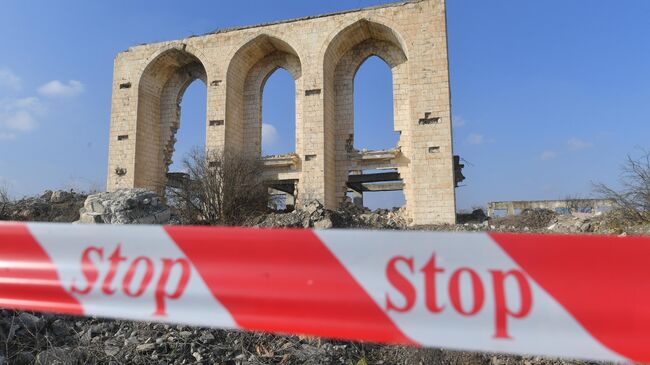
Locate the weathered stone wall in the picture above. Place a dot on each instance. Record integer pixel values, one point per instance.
(511, 207)
(322, 54)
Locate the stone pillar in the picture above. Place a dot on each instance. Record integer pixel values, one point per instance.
(124, 109)
(317, 136)
(215, 134)
(427, 142)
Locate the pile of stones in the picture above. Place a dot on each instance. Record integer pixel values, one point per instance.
(314, 215)
(125, 206)
(51, 206)
(575, 223)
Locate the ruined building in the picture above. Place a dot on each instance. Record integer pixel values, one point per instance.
(322, 53)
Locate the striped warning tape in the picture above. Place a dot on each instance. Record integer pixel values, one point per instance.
(570, 296)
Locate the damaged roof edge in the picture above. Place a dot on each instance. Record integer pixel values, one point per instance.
(309, 17)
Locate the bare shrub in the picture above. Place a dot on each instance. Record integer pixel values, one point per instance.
(4, 202)
(219, 189)
(632, 201)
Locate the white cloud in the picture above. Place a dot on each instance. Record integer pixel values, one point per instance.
(21, 121)
(19, 115)
(575, 144)
(459, 122)
(32, 104)
(548, 155)
(56, 88)
(269, 135)
(477, 138)
(9, 80)
(7, 136)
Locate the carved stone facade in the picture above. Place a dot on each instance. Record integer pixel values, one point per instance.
(322, 54)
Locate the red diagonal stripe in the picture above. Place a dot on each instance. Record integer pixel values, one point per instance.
(284, 281)
(28, 278)
(604, 282)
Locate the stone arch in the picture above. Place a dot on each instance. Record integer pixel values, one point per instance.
(357, 31)
(163, 81)
(345, 74)
(171, 46)
(249, 68)
(347, 50)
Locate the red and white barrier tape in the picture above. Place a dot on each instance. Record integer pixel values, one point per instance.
(570, 296)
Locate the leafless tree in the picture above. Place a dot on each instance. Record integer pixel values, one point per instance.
(219, 189)
(633, 199)
(4, 202)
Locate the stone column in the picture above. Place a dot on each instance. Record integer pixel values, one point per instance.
(429, 180)
(317, 139)
(124, 115)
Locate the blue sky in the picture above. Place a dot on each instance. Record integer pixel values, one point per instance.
(547, 96)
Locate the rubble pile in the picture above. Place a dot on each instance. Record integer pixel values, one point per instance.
(598, 223)
(528, 220)
(52, 206)
(314, 215)
(125, 206)
(377, 219)
(577, 223)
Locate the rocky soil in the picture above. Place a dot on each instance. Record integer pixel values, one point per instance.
(31, 338)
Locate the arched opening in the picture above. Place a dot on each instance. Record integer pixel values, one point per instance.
(253, 66)
(370, 109)
(191, 132)
(373, 106)
(374, 130)
(161, 89)
(279, 114)
(250, 68)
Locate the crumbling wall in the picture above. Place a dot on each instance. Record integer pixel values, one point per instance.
(511, 207)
